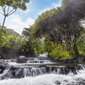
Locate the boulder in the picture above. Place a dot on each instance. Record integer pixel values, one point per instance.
(22, 59)
(80, 58)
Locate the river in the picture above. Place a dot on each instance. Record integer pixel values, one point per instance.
(41, 72)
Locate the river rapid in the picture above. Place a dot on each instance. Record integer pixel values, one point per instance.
(48, 73)
(49, 79)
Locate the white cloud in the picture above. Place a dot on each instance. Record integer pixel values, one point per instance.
(54, 5)
(28, 10)
(42, 11)
(15, 21)
(17, 24)
(30, 21)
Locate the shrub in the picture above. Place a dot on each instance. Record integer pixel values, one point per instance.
(82, 53)
(60, 53)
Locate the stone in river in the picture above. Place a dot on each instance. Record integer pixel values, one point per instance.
(22, 59)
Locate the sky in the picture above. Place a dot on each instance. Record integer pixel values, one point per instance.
(21, 19)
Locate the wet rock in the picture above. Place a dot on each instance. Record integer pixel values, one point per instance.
(65, 80)
(22, 71)
(2, 68)
(80, 58)
(22, 59)
(57, 82)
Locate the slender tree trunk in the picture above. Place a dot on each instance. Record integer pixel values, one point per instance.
(68, 45)
(75, 50)
(48, 54)
(3, 23)
(66, 42)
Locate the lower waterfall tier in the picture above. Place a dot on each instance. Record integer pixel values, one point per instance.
(7, 72)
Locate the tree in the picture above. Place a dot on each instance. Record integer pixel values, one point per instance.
(48, 45)
(11, 6)
(44, 26)
(27, 32)
(66, 21)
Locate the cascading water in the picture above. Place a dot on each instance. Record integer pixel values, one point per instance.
(39, 71)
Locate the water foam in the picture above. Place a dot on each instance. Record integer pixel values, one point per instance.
(49, 79)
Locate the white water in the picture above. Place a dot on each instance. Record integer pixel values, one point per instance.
(34, 61)
(48, 79)
(42, 55)
(43, 79)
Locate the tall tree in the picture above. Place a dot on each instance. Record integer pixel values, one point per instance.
(27, 32)
(66, 21)
(11, 6)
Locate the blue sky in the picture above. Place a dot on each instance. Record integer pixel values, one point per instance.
(22, 19)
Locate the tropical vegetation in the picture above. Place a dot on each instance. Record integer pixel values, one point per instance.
(58, 32)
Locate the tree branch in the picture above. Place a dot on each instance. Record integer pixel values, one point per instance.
(7, 10)
(12, 12)
(1, 13)
(5, 6)
(4, 11)
(81, 40)
(80, 11)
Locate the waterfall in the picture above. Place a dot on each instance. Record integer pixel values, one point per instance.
(40, 71)
(32, 71)
(48, 79)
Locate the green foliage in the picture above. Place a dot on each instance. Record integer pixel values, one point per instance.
(42, 25)
(81, 48)
(82, 53)
(36, 45)
(63, 35)
(64, 2)
(48, 45)
(65, 29)
(10, 6)
(27, 33)
(59, 53)
(9, 42)
(15, 4)
(3, 39)
(11, 32)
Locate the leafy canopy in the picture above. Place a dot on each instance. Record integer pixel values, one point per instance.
(11, 6)
(15, 4)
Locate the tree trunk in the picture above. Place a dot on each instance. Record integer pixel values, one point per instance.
(67, 44)
(75, 50)
(3, 23)
(48, 54)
